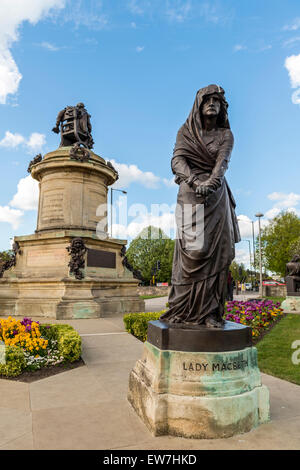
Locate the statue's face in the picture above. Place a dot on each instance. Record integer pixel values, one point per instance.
(211, 106)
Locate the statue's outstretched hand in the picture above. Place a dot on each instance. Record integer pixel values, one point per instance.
(56, 130)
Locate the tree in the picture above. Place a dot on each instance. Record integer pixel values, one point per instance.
(239, 272)
(5, 256)
(295, 248)
(277, 240)
(149, 247)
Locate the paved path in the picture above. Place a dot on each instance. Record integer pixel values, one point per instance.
(86, 408)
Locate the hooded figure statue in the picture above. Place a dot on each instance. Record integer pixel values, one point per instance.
(207, 227)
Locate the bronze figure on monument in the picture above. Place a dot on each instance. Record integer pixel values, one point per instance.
(74, 124)
(200, 160)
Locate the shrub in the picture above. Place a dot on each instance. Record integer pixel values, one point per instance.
(14, 361)
(68, 340)
(259, 315)
(137, 323)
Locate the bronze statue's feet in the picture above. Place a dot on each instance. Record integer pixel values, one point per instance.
(211, 322)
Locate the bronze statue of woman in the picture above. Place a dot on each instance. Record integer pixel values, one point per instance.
(201, 155)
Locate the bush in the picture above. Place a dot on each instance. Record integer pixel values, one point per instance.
(68, 340)
(137, 323)
(14, 361)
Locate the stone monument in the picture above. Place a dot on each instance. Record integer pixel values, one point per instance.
(64, 270)
(198, 377)
(292, 301)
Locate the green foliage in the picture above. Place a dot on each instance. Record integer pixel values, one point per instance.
(14, 362)
(137, 323)
(68, 340)
(5, 256)
(150, 246)
(275, 350)
(295, 248)
(238, 271)
(277, 239)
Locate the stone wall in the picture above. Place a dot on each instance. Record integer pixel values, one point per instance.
(274, 291)
(153, 290)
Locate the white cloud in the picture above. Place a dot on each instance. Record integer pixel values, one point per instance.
(12, 14)
(170, 183)
(292, 26)
(165, 221)
(10, 216)
(139, 48)
(242, 256)
(86, 13)
(27, 195)
(291, 41)
(34, 143)
(245, 226)
(283, 201)
(48, 45)
(178, 10)
(138, 7)
(292, 64)
(11, 140)
(132, 174)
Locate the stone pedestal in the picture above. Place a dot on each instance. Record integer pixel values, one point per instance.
(212, 392)
(40, 283)
(291, 304)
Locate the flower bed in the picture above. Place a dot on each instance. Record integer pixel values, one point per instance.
(259, 315)
(30, 346)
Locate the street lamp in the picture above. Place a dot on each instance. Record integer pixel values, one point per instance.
(253, 242)
(111, 206)
(259, 215)
(249, 256)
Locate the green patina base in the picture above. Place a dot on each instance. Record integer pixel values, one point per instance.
(291, 304)
(198, 395)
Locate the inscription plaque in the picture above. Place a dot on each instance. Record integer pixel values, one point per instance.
(101, 259)
(46, 257)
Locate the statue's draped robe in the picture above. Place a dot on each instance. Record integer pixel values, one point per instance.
(199, 274)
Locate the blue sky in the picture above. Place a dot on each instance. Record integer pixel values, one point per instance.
(137, 66)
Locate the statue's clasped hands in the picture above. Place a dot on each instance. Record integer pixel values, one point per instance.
(203, 190)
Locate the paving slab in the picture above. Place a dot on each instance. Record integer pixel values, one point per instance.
(77, 387)
(87, 408)
(14, 395)
(14, 423)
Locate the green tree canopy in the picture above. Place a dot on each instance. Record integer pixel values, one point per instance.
(5, 256)
(278, 239)
(295, 248)
(149, 247)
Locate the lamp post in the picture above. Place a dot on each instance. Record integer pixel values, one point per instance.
(254, 263)
(111, 206)
(249, 256)
(259, 215)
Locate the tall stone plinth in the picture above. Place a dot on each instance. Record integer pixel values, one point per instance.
(210, 391)
(42, 282)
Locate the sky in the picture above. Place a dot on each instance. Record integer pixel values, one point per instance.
(137, 65)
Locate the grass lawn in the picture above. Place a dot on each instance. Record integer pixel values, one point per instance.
(275, 350)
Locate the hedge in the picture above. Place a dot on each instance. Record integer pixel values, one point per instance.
(137, 323)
